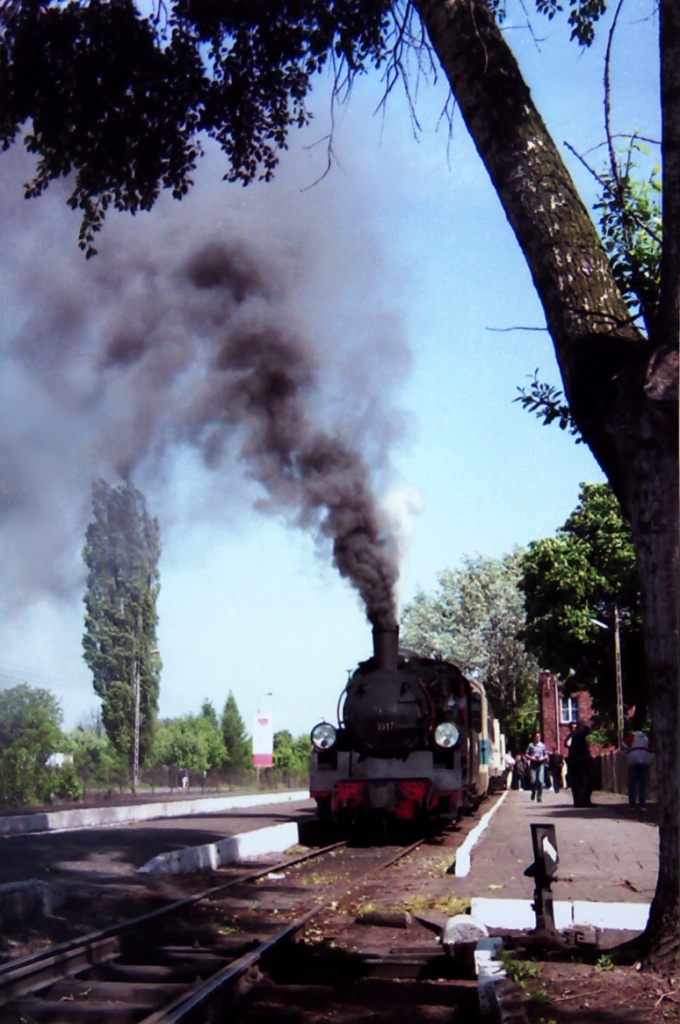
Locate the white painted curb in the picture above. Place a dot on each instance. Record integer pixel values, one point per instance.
(87, 817)
(462, 867)
(245, 846)
(518, 915)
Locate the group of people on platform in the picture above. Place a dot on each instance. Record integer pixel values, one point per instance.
(537, 769)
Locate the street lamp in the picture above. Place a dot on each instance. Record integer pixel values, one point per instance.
(267, 694)
(617, 660)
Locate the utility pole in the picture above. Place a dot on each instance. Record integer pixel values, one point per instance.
(135, 753)
(617, 666)
(135, 750)
(619, 680)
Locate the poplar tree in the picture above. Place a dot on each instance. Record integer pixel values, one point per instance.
(122, 550)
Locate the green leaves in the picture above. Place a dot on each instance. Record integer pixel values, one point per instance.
(106, 98)
(192, 742)
(577, 577)
(631, 229)
(121, 99)
(630, 218)
(122, 549)
(549, 404)
(239, 753)
(291, 756)
(475, 620)
(30, 730)
(582, 18)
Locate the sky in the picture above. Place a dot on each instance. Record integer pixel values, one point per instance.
(398, 280)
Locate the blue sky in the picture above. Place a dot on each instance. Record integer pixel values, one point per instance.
(401, 270)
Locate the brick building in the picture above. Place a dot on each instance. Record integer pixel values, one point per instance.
(556, 711)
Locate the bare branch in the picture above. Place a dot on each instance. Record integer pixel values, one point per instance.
(519, 327)
(607, 99)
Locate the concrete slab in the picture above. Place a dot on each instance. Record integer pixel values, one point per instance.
(518, 915)
(89, 817)
(210, 856)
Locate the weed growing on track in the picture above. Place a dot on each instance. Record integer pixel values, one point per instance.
(450, 905)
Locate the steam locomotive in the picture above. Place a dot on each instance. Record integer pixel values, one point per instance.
(415, 741)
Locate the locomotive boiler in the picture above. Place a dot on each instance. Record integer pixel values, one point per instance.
(401, 749)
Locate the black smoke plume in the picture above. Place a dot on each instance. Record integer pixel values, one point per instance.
(109, 367)
(261, 384)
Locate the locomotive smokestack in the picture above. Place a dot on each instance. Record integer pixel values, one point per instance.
(386, 646)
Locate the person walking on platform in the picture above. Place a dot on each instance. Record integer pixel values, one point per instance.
(509, 766)
(518, 773)
(537, 752)
(555, 765)
(579, 765)
(637, 747)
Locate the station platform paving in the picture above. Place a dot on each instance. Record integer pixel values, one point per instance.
(607, 869)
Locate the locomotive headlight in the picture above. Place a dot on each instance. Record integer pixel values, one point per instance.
(323, 736)
(446, 735)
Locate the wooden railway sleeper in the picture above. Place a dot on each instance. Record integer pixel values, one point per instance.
(27, 978)
(179, 971)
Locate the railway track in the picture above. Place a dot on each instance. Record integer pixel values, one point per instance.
(146, 970)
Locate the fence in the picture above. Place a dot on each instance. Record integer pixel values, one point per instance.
(612, 768)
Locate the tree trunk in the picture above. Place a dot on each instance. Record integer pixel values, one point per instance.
(621, 386)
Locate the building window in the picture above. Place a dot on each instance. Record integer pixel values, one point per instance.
(569, 709)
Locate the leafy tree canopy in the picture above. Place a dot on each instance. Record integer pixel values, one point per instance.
(291, 756)
(475, 619)
(95, 759)
(577, 578)
(120, 94)
(30, 730)
(192, 742)
(630, 220)
(208, 711)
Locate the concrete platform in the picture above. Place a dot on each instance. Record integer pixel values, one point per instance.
(90, 817)
(89, 847)
(211, 856)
